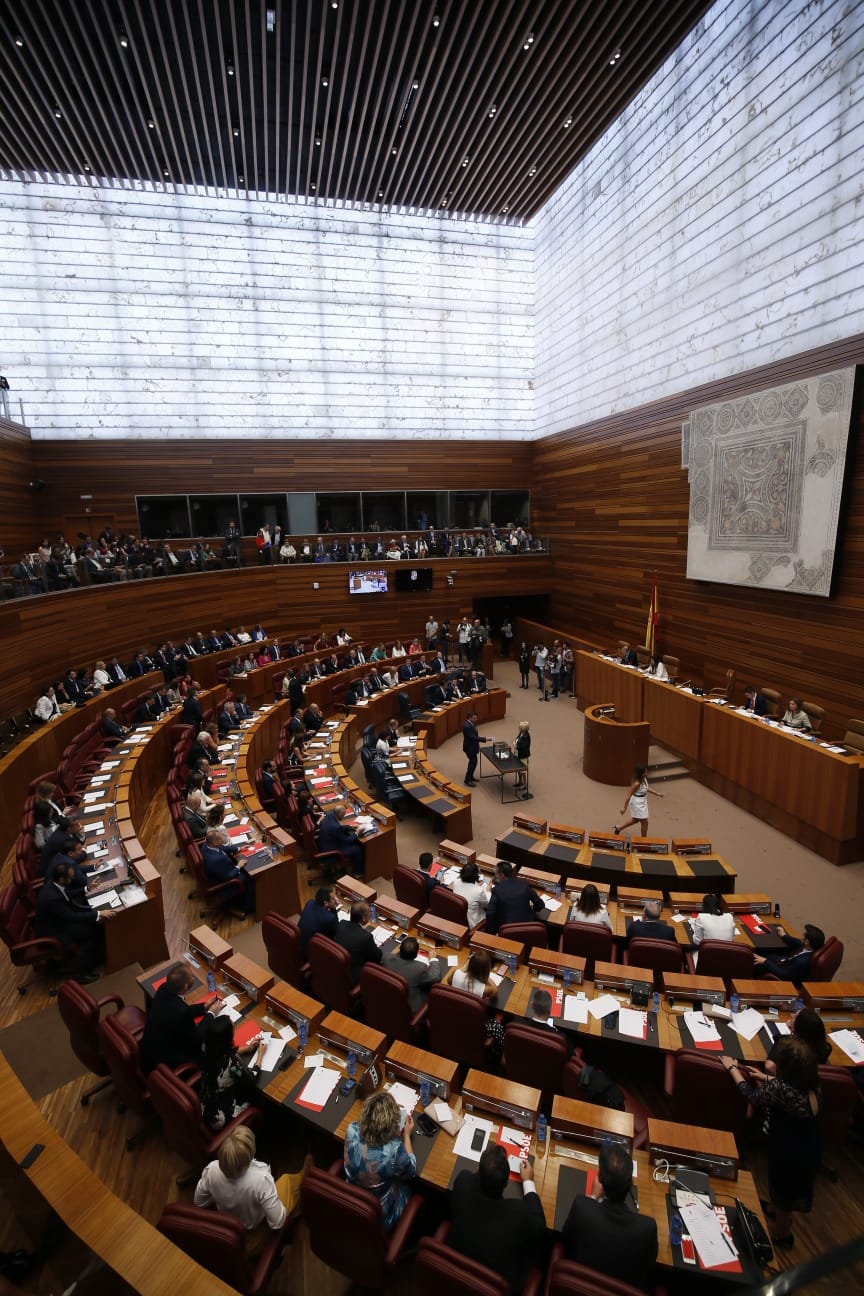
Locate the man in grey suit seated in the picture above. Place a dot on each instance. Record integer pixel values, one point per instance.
(419, 974)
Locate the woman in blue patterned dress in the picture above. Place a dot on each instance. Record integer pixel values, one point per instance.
(378, 1155)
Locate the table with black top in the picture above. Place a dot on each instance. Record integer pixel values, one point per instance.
(505, 762)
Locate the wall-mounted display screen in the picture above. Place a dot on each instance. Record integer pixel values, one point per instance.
(367, 582)
(413, 578)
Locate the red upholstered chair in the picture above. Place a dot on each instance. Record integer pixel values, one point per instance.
(16, 932)
(534, 1057)
(721, 959)
(826, 960)
(410, 888)
(221, 897)
(119, 1048)
(566, 1278)
(592, 942)
(659, 955)
(571, 1088)
(438, 1268)
(81, 1014)
(26, 885)
(697, 1085)
(344, 1224)
(218, 1242)
(178, 1107)
(531, 934)
(457, 1026)
(445, 904)
(332, 864)
(284, 950)
(330, 967)
(839, 1104)
(386, 1006)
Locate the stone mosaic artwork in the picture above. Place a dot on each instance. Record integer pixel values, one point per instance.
(766, 478)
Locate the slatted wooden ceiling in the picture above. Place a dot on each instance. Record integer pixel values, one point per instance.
(461, 107)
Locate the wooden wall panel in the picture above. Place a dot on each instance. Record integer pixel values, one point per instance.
(114, 472)
(614, 500)
(47, 634)
(19, 518)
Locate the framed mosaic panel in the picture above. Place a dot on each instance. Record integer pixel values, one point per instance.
(766, 478)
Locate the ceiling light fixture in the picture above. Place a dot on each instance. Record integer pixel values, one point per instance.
(313, 186)
(229, 68)
(492, 111)
(236, 131)
(394, 151)
(317, 141)
(529, 41)
(271, 20)
(615, 57)
(568, 122)
(533, 171)
(505, 210)
(19, 42)
(165, 174)
(242, 179)
(380, 193)
(151, 123)
(415, 85)
(436, 21)
(465, 161)
(57, 112)
(123, 38)
(324, 82)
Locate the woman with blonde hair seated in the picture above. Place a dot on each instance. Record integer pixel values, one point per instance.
(379, 1156)
(239, 1185)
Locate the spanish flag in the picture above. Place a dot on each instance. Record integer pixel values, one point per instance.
(653, 616)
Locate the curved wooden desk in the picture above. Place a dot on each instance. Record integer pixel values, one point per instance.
(613, 748)
(125, 1243)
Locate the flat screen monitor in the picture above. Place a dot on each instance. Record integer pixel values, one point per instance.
(410, 579)
(367, 582)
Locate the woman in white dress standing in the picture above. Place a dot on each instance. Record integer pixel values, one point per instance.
(637, 804)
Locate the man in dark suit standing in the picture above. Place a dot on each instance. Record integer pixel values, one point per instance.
(604, 1232)
(173, 1033)
(471, 746)
(505, 1234)
(512, 900)
(333, 834)
(650, 924)
(355, 937)
(190, 712)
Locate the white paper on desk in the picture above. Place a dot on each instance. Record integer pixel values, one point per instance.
(399, 764)
(109, 765)
(320, 782)
(748, 1023)
(231, 1001)
(840, 751)
(287, 1033)
(710, 1241)
(404, 1096)
(850, 1042)
(224, 747)
(550, 902)
(94, 827)
(272, 1053)
(99, 779)
(676, 918)
(381, 935)
(576, 1010)
(314, 1060)
(93, 808)
(405, 742)
(783, 1028)
(133, 895)
(632, 1022)
(344, 915)
(452, 960)
(701, 1029)
(241, 839)
(462, 1147)
(92, 796)
(406, 778)
(440, 1112)
(331, 724)
(231, 818)
(96, 852)
(602, 1006)
(231, 1013)
(320, 1085)
(100, 901)
(449, 876)
(496, 978)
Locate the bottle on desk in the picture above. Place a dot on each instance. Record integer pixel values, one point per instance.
(211, 981)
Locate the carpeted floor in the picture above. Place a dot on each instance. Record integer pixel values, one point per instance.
(38, 1048)
(808, 888)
